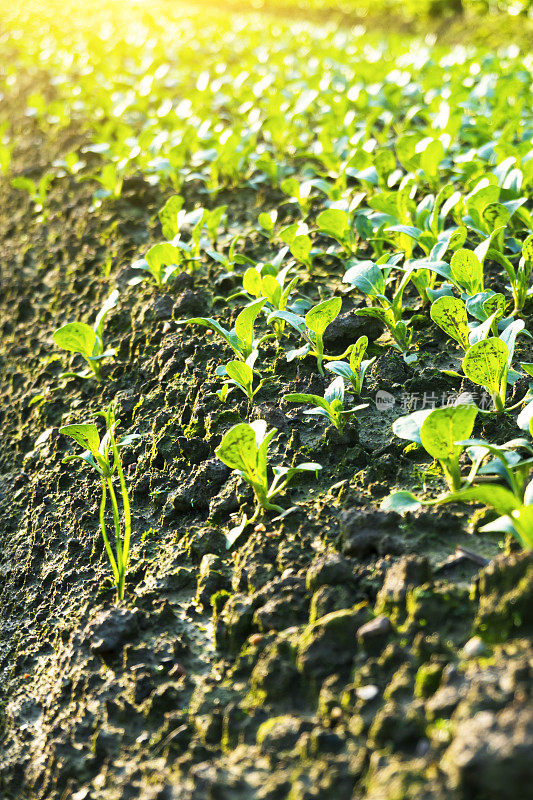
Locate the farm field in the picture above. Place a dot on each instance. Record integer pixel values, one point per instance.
(266, 503)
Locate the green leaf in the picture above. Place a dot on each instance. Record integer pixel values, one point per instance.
(527, 248)
(311, 399)
(333, 222)
(104, 311)
(367, 277)
(357, 354)
(207, 322)
(318, 318)
(408, 427)
(238, 448)
(168, 216)
(162, 255)
(251, 282)
(244, 324)
(445, 426)
(485, 363)
(523, 523)
(449, 313)
(401, 502)
(240, 372)
(76, 337)
(525, 418)
(85, 435)
(267, 220)
(301, 247)
(467, 270)
(497, 497)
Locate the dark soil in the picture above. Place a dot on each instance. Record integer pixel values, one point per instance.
(340, 652)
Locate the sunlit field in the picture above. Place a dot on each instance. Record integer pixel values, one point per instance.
(266, 503)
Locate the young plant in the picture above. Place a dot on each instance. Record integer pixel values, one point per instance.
(87, 341)
(244, 448)
(37, 192)
(451, 315)
(355, 371)
(241, 375)
(487, 363)
(110, 179)
(161, 262)
(438, 431)
(520, 276)
(103, 456)
(241, 337)
(372, 280)
(331, 406)
(312, 328)
(337, 223)
(272, 288)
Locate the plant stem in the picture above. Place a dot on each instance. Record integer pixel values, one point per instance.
(104, 534)
(120, 560)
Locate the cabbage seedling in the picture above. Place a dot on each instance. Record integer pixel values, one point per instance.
(161, 262)
(371, 279)
(520, 276)
(87, 341)
(312, 328)
(241, 337)
(244, 448)
(37, 192)
(331, 406)
(355, 371)
(438, 431)
(241, 375)
(487, 363)
(103, 456)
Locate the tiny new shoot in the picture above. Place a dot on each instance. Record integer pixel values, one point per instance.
(103, 456)
(244, 448)
(87, 341)
(355, 370)
(241, 375)
(331, 406)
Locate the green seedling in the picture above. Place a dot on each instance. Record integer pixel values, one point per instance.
(272, 288)
(38, 192)
(487, 363)
(506, 463)
(241, 375)
(331, 406)
(371, 279)
(451, 315)
(438, 431)
(267, 223)
(312, 328)
(161, 262)
(244, 448)
(299, 242)
(111, 180)
(298, 193)
(168, 216)
(87, 341)
(337, 223)
(355, 371)
(520, 276)
(241, 337)
(103, 456)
